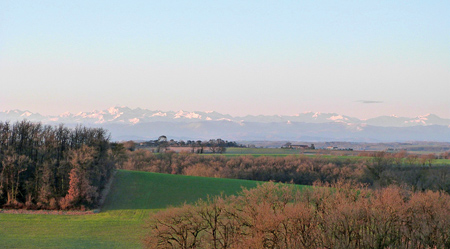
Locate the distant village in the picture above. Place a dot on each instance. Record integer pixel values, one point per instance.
(163, 144)
(311, 147)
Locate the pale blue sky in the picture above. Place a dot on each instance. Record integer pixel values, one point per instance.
(235, 57)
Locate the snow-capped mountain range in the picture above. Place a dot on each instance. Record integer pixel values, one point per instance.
(125, 115)
(140, 124)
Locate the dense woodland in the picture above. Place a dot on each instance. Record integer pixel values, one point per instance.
(52, 167)
(380, 170)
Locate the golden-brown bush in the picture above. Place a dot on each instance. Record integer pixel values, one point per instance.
(282, 216)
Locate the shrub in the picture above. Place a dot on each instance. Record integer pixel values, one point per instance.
(280, 216)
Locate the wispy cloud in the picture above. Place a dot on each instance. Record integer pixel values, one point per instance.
(370, 101)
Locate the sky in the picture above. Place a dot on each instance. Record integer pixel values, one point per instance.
(356, 58)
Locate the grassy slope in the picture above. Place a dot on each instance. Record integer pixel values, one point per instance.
(133, 195)
(140, 190)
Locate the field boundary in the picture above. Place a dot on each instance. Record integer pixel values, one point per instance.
(102, 198)
(51, 212)
(105, 191)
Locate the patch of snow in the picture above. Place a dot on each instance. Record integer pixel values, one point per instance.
(65, 114)
(336, 118)
(193, 115)
(113, 111)
(179, 114)
(289, 122)
(160, 114)
(189, 115)
(118, 115)
(95, 115)
(208, 118)
(26, 114)
(422, 121)
(134, 120)
(54, 119)
(224, 119)
(316, 115)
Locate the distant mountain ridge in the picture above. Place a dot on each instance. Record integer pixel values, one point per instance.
(141, 124)
(125, 115)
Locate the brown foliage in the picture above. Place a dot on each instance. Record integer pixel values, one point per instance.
(42, 165)
(177, 228)
(281, 216)
(300, 170)
(381, 170)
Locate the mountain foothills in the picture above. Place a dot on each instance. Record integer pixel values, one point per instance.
(126, 123)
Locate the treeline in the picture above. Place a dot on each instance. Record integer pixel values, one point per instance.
(405, 158)
(188, 143)
(196, 146)
(45, 167)
(378, 171)
(281, 216)
(297, 169)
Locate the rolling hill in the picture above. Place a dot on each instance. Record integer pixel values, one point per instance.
(121, 223)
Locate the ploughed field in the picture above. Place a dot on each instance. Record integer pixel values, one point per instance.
(121, 222)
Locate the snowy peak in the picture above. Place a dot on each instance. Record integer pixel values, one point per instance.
(19, 115)
(394, 121)
(189, 115)
(126, 115)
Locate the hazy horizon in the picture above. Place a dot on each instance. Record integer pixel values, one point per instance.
(360, 59)
(208, 111)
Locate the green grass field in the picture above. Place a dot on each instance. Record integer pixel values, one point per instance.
(132, 197)
(261, 151)
(278, 152)
(441, 162)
